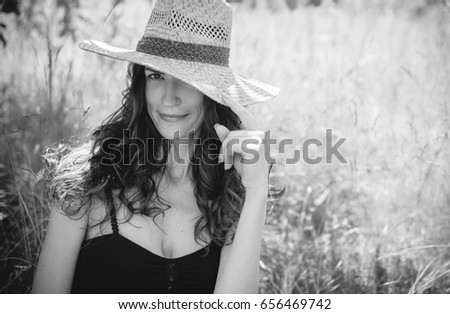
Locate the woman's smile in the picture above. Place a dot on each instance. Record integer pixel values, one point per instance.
(172, 118)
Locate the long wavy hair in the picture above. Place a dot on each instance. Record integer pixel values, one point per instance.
(78, 174)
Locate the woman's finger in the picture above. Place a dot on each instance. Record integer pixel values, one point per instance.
(229, 138)
(249, 150)
(247, 119)
(222, 131)
(244, 143)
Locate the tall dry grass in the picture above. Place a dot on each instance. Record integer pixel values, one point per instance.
(379, 79)
(378, 76)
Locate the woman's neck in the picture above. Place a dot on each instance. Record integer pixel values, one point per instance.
(179, 160)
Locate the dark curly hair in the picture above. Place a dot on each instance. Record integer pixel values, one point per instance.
(78, 174)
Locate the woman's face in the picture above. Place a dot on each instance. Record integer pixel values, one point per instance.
(175, 107)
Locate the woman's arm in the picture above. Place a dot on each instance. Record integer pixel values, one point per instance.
(239, 262)
(244, 150)
(59, 253)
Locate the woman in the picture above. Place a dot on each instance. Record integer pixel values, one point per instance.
(148, 206)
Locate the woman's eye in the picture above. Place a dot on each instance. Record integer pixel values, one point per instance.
(155, 76)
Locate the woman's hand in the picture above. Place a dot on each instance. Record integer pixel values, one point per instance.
(244, 149)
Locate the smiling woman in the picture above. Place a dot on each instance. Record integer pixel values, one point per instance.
(175, 107)
(162, 224)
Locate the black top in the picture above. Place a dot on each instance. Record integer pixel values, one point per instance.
(112, 263)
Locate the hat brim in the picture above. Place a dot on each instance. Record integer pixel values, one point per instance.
(211, 80)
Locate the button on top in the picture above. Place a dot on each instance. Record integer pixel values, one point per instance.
(172, 266)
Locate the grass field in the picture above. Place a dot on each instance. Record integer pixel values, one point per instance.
(378, 76)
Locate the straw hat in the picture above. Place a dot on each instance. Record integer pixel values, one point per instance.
(190, 39)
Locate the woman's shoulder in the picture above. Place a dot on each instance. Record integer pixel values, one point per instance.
(66, 171)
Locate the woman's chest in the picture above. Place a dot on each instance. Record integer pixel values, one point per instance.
(169, 232)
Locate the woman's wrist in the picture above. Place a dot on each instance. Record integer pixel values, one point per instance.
(257, 190)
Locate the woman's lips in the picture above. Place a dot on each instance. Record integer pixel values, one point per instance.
(172, 117)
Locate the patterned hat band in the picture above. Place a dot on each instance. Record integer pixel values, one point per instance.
(184, 51)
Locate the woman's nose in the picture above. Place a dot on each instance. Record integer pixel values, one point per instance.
(171, 97)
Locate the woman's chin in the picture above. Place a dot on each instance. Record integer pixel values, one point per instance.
(170, 135)
(177, 134)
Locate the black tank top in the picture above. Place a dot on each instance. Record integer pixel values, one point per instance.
(112, 263)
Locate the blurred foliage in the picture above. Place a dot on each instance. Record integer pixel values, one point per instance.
(7, 7)
(415, 5)
(40, 104)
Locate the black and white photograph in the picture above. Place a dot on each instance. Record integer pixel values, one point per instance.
(276, 147)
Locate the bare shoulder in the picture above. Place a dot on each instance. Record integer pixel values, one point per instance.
(59, 251)
(59, 219)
